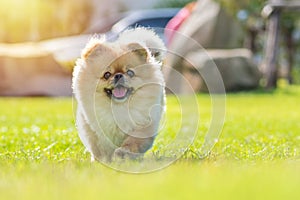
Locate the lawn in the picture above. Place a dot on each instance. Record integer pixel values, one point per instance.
(256, 157)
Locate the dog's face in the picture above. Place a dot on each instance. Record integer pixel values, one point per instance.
(121, 69)
(122, 77)
(118, 81)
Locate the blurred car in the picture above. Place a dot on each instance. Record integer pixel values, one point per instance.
(156, 19)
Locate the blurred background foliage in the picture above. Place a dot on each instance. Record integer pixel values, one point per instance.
(172, 3)
(248, 13)
(33, 20)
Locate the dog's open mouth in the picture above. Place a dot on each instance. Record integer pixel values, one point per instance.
(119, 93)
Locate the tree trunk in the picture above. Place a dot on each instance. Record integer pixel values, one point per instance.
(270, 70)
(288, 33)
(251, 39)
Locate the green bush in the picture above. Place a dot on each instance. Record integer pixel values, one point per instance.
(172, 3)
(296, 75)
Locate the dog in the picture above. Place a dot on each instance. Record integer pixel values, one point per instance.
(119, 89)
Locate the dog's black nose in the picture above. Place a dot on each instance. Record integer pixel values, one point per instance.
(119, 78)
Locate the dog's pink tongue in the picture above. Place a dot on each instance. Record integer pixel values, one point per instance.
(119, 92)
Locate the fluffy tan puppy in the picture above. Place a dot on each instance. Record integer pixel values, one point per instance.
(119, 88)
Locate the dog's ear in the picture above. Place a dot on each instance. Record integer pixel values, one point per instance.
(138, 50)
(147, 37)
(158, 54)
(94, 47)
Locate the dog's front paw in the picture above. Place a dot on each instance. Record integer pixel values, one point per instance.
(123, 153)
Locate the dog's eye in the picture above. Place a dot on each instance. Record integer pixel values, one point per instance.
(107, 75)
(130, 73)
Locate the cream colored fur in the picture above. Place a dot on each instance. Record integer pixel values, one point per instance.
(109, 128)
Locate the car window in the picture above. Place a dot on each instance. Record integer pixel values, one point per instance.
(157, 22)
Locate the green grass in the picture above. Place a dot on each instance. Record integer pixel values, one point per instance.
(257, 156)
